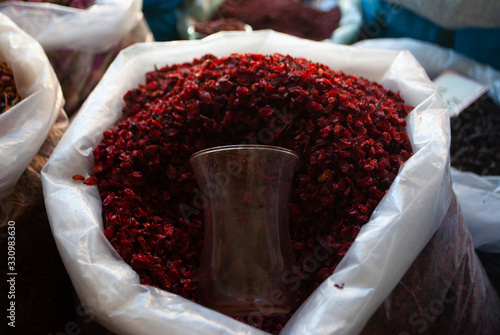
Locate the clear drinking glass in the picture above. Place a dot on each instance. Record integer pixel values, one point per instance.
(247, 246)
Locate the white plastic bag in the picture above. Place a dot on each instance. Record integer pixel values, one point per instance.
(347, 32)
(386, 246)
(479, 196)
(80, 43)
(94, 29)
(24, 127)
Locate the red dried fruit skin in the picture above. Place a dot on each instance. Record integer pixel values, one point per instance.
(349, 133)
(78, 177)
(90, 180)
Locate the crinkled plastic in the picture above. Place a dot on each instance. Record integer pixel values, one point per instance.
(435, 59)
(479, 196)
(81, 43)
(24, 127)
(347, 32)
(445, 291)
(399, 229)
(95, 29)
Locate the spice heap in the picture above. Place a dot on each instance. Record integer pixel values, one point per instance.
(348, 132)
(287, 16)
(69, 3)
(9, 96)
(211, 27)
(475, 138)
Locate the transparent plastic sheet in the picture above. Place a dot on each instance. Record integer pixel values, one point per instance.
(80, 71)
(445, 291)
(27, 196)
(479, 196)
(480, 202)
(95, 29)
(384, 250)
(24, 127)
(81, 43)
(349, 26)
(435, 59)
(43, 290)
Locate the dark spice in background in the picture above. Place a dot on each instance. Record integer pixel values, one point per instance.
(8, 91)
(475, 138)
(286, 16)
(211, 27)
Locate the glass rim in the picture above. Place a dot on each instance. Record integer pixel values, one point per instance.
(230, 147)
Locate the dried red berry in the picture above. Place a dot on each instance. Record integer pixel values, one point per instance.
(91, 180)
(78, 177)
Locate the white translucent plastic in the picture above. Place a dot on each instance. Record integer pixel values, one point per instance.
(24, 127)
(479, 196)
(95, 29)
(385, 248)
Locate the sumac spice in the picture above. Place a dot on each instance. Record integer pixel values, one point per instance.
(9, 96)
(287, 16)
(348, 132)
(475, 138)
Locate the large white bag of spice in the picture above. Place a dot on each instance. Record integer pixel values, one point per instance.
(447, 280)
(24, 127)
(478, 195)
(80, 42)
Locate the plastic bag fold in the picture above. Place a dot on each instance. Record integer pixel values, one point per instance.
(24, 127)
(55, 26)
(80, 43)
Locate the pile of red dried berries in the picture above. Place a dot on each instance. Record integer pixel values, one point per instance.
(9, 96)
(349, 133)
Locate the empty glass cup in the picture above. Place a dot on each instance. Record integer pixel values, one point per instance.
(247, 247)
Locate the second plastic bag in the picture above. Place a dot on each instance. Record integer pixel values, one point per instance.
(80, 43)
(24, 127)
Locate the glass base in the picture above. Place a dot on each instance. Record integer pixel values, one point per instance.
(250, 308)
